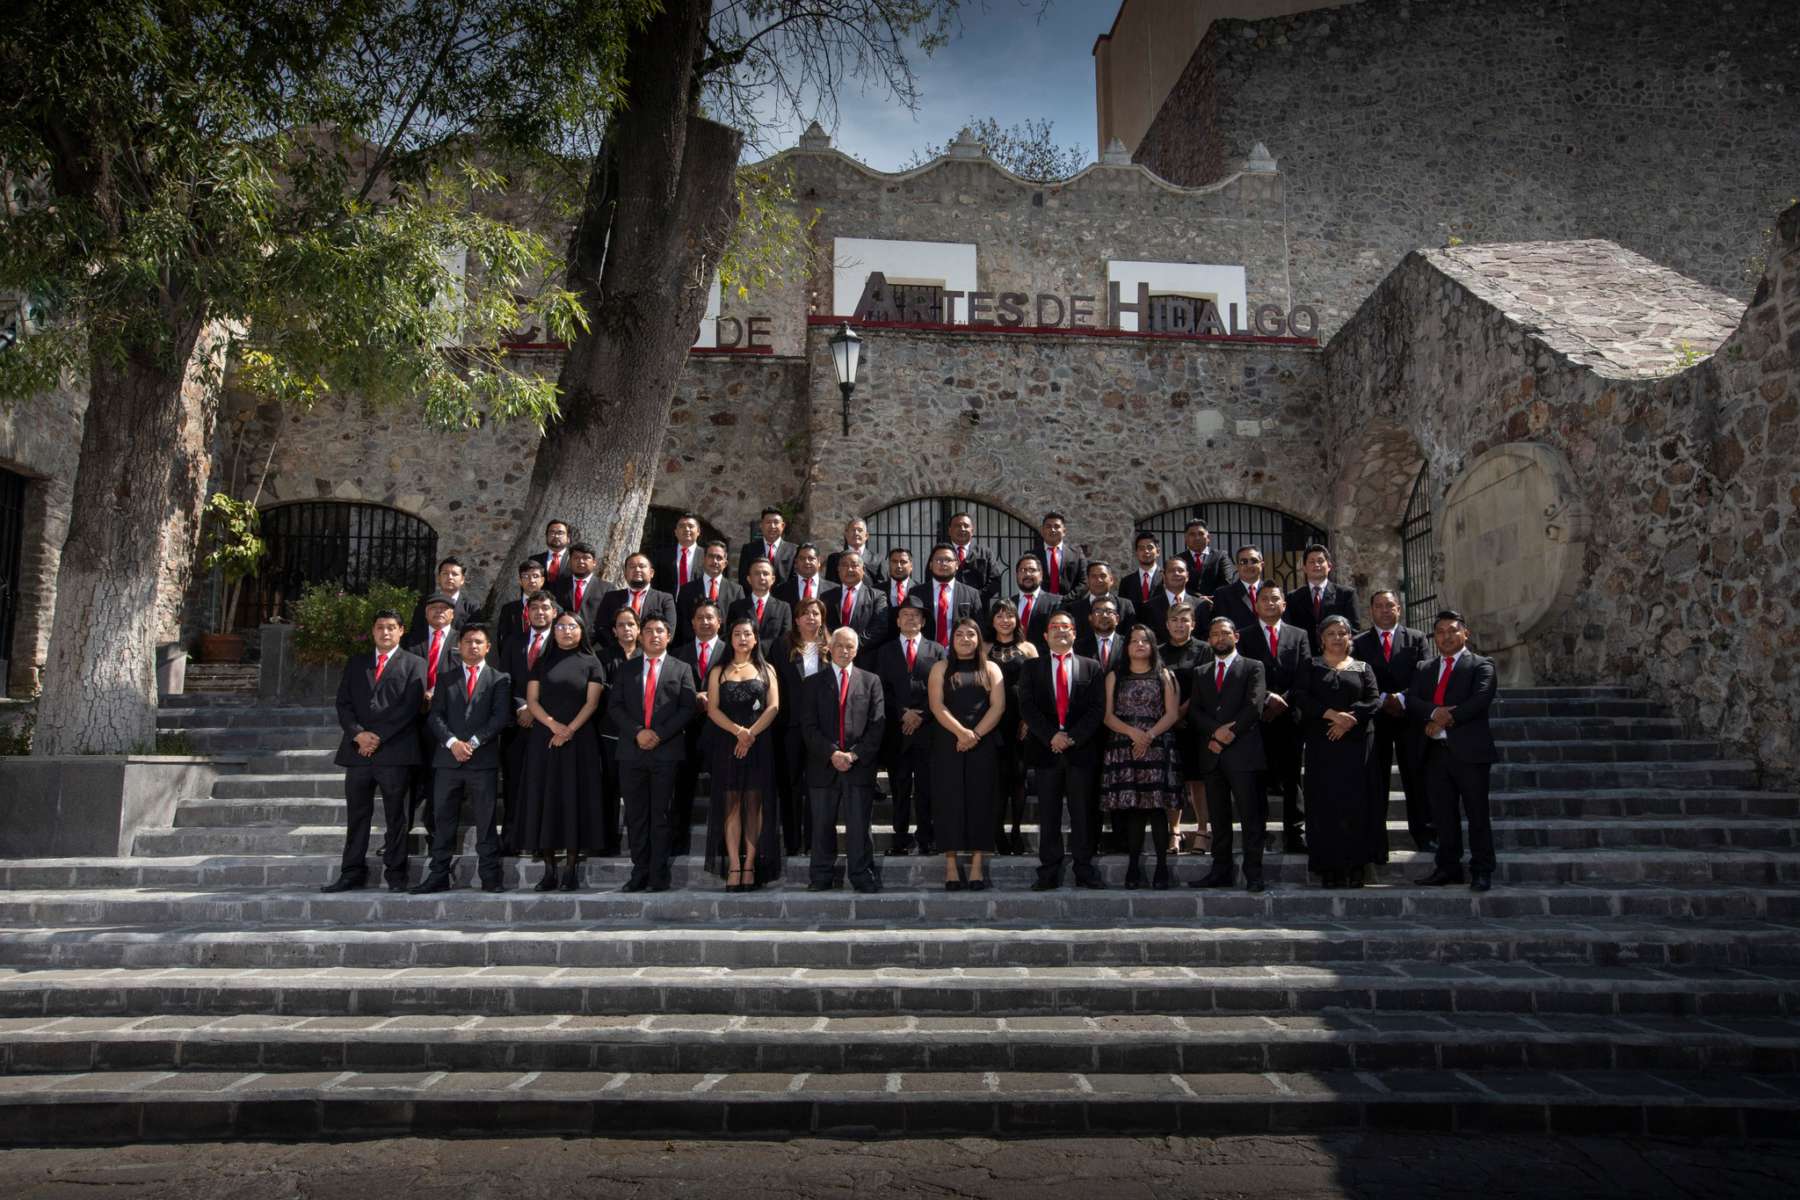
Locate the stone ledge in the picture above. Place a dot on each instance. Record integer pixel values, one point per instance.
(96, 804)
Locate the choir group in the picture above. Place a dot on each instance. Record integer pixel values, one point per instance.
(1100, 708)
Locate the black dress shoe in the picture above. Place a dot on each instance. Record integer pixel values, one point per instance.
(433, 883)
(571, 879)
(865, 886)
(398, 886)
(493, 887)
(817, 885)
(1045, 885)
(343, 884)
(636, 885)
(927, 849)
(1256, 887)
(1439, 878)
(900, 846)
(1092, 881)
(1159, 879)
(1294, 845)
(1215, 879)
(548, 882)
(1481, 881)
(657, 887)
(978, 885)
(953, 885)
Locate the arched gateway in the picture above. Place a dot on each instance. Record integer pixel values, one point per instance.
(917, 524)
(1280, 536)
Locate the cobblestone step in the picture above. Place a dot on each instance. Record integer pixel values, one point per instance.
(706, 1043)
(142, 1106)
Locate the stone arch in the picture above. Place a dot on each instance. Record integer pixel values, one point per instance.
(1376, 470)
(339, 537)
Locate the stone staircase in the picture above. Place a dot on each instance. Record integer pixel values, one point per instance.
(1636, 970)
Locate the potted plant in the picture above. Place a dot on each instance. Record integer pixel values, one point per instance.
(235, 549)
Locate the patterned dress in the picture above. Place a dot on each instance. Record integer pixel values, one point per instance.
(1153, 781)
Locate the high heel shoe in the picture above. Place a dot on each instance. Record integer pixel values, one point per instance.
(571, 878)
(953, 885)
(549, 881)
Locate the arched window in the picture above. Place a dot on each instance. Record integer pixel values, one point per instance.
(331, 541)
(659, 530)
(1280, 536)
(919, 524)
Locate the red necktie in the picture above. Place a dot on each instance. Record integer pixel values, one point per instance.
(1274, 642)
(1318, 602)
(550, 574)
(380, 665)
(1105, 652)
(705, 653)
(1025, 617)
(437, 643)
(759, 608)
(1387, 646)
(649, 689)
(681, 571)
(1055, 583)
(1251, 588)
(524, 620)
(849, 603)
(474, 674)
(899, 593)
(770, 548)
(580, 590)
(1062, 690)
(959, 558)
(809, 588)
(1219, 679)
(843, 699)
(943, 621)
(712, 593)
(637, 603)
(537, 648)
(1145, 577)
(912, 654)
(1443, 682)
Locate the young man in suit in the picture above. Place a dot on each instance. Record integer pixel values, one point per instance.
(1144, 583)
(1320, 598)
(450, 580)
(638, 596)
(1064, 566)
(1226, 711)
(774, 617)
(806, 583)
(514, 620)
(1237, 599)
(649, 705)
(1102, 640)
(945, 599)
(771, 547)
(1100, 583)
(582, 591)
(1062, 700)
(712, 584)
(1207, 569)
(856, 541)
(517, 658)
(1171, 592)
(679, 565)
(436, 648)
(842, 718)
(975, 565)
(379, 700)
(895, 591)
(701, 654)
(1394, 651)
(1450, 697)
(1285, 655)
(853, 604)
(1036, 605)
(904, 665)
(555, 560)
(470, 711)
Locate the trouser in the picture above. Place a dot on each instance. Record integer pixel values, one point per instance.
(854, 802)
(1459, 790)
(909, 780)
(681, 807)
(1395, 740)
(1242, 790)
(451, 787)
(419, 804)
(1135, 821)
(1283, 749)
(790, 778)
(360, 785)
(1064, 784)
(649, 793)
(609, 796)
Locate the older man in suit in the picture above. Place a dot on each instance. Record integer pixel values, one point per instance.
(842, 717)
(1062, 700)
(1237, 599)
(637, 595)
(379, 700)
(1394, 651)
(1285, 655)
(1320, 598)
(857, 605)
(807, 582)
(1226, 712)
(856, 541)
(649, 705)
(470, 711)
(1450, 697)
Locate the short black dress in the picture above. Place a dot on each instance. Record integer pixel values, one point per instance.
(745, 784)
(561, 805)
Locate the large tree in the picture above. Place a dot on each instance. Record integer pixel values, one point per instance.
(288, 172)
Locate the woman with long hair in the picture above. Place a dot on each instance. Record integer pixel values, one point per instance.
(1141, 773)
(743, 697)
(967, 696)
(560, 809)
(1010, 651)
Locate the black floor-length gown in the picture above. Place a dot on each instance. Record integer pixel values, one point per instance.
(965, 785)
(561, 808)
(1340, 813)
(1010, 658)
(747, 782)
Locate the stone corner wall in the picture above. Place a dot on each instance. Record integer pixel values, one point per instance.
(1183, 143)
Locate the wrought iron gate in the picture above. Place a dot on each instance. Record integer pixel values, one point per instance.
(337, 542)
(919, 524)
(1280, 536)
(1418, 557)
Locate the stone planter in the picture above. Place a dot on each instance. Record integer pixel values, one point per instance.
(283, 679)
(95, 805)
(171, 669)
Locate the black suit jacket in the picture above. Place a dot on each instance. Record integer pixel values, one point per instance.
(1393, 676)
(1037, 707)
(865, 723)
(902, 689)
(1043, 606)
(1239, 704)
(1212, 572)
(1081, 605)
(1234, 602)
(454, 715)
(592, 594)
(654, 604)
(511, 623)
(448, 659)
(689, 599)
(1132, 586)
(1283, 670)
(874, 569)
(789, 589)
(389, 708)
(756, 548)
(1087, 644)
(675, 705)
(965, 601)
(1071, 568)
(777, 622)
(665, 571)
(981, 571)
(1338, 601)
(1468, 696)
(542, 559)
(510, 661)
(1156, 613)
(689, 653)
(868, 617)
(467, 608)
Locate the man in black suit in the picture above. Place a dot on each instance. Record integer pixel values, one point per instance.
(1320, 598)
(1207, 569)
(1102, 640)
(1100, 582)
(514, 620)
(471, 710)
(379, 700)
(1450, 696)
(711, 584)
(705, 651)
(771, 546)
(466, 607)
(582, 590)
(1237, 599)
(1285, 655)
(1036, 605)
(975, 565)
(1147, 580)
(1226, 712)
(773, 617)
(649, 705)
(899, 586)
(436, 648)
(517, 657)
(1394, 651)
(806, 583)
(944, 598)
(1174, 591)
(856, 541)
(853, 604)
(555, 560)
(1065, 567)
(1062, 700)
(679, 565)
(637, 595)
(904, 665)
(842, 719)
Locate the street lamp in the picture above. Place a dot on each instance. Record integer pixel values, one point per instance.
(846, 349)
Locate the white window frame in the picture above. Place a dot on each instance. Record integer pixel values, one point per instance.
(948, 265)
(1222, 284)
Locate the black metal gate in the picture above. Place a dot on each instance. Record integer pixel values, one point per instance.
(1280, 536)
(337, 542)
(12, 556)
(1418, 557)
(920, 524)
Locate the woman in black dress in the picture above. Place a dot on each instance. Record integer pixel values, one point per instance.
(560, 811)
(797, 658)
(1337, 699)
(625, 632)
(1182, 653)
(1010, 652)
(743, 834)
(967, 695)
(1140, 775)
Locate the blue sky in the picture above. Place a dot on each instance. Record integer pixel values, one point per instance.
(1009, 63)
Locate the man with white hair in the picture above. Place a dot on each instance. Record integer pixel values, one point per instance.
(841, 722)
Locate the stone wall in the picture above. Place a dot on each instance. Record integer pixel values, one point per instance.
(40, 440)
(1666, 127)
(1685, 467)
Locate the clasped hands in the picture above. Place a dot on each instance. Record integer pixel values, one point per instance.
(1441, 719)
(1340, 722)
(745, 740)
(367, 743)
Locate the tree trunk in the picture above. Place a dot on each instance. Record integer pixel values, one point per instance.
(660, 204)
(99, 686)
